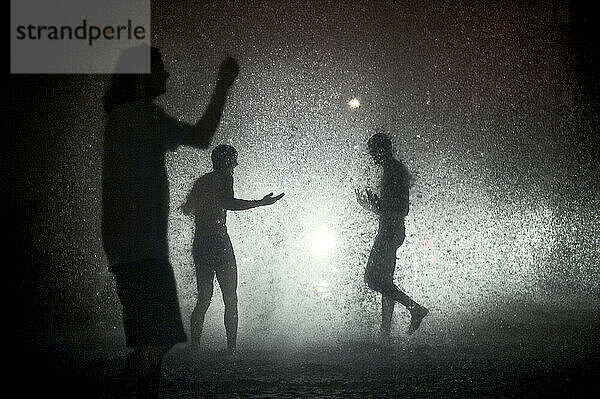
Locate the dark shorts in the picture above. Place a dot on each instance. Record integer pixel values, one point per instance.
(148, 293)
(213, 252)
(213, 255)
(382, 259)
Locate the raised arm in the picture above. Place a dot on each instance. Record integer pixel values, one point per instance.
(203, 131)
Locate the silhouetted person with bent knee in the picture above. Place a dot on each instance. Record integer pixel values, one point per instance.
(210, 198)
(392, 207)
(135, 207)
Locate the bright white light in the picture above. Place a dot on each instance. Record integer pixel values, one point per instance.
(354, 103)
(322, 242)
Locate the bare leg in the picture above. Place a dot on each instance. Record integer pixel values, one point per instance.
(204, 280)
(231, 321)
(227, 277)
(391, 290)
(197, 318)
(379, 277)
(387, 311)
(379, 274)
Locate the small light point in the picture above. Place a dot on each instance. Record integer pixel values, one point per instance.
(354, 103)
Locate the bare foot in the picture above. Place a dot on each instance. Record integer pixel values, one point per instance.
(416, 316)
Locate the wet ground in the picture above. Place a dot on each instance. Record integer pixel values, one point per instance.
(551, 353)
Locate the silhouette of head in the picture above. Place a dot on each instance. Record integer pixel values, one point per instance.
(156, 82)
(131, 87)
(380, 147)
(224, 157)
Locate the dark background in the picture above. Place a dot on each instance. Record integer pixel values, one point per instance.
(478, 63)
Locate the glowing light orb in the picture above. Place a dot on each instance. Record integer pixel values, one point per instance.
(322, 242)
(354, 103)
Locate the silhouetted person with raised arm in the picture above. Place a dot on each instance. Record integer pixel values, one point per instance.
(210, 198)
(392, 207)
(135, 207)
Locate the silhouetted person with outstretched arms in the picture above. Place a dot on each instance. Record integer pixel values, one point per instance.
(135, 208)
(392, 207)
(210, 199)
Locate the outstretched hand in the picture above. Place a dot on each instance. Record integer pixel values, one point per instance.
(372, 198)
(269, 199)
(360, 197)
(228, 71)
(367, 199)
